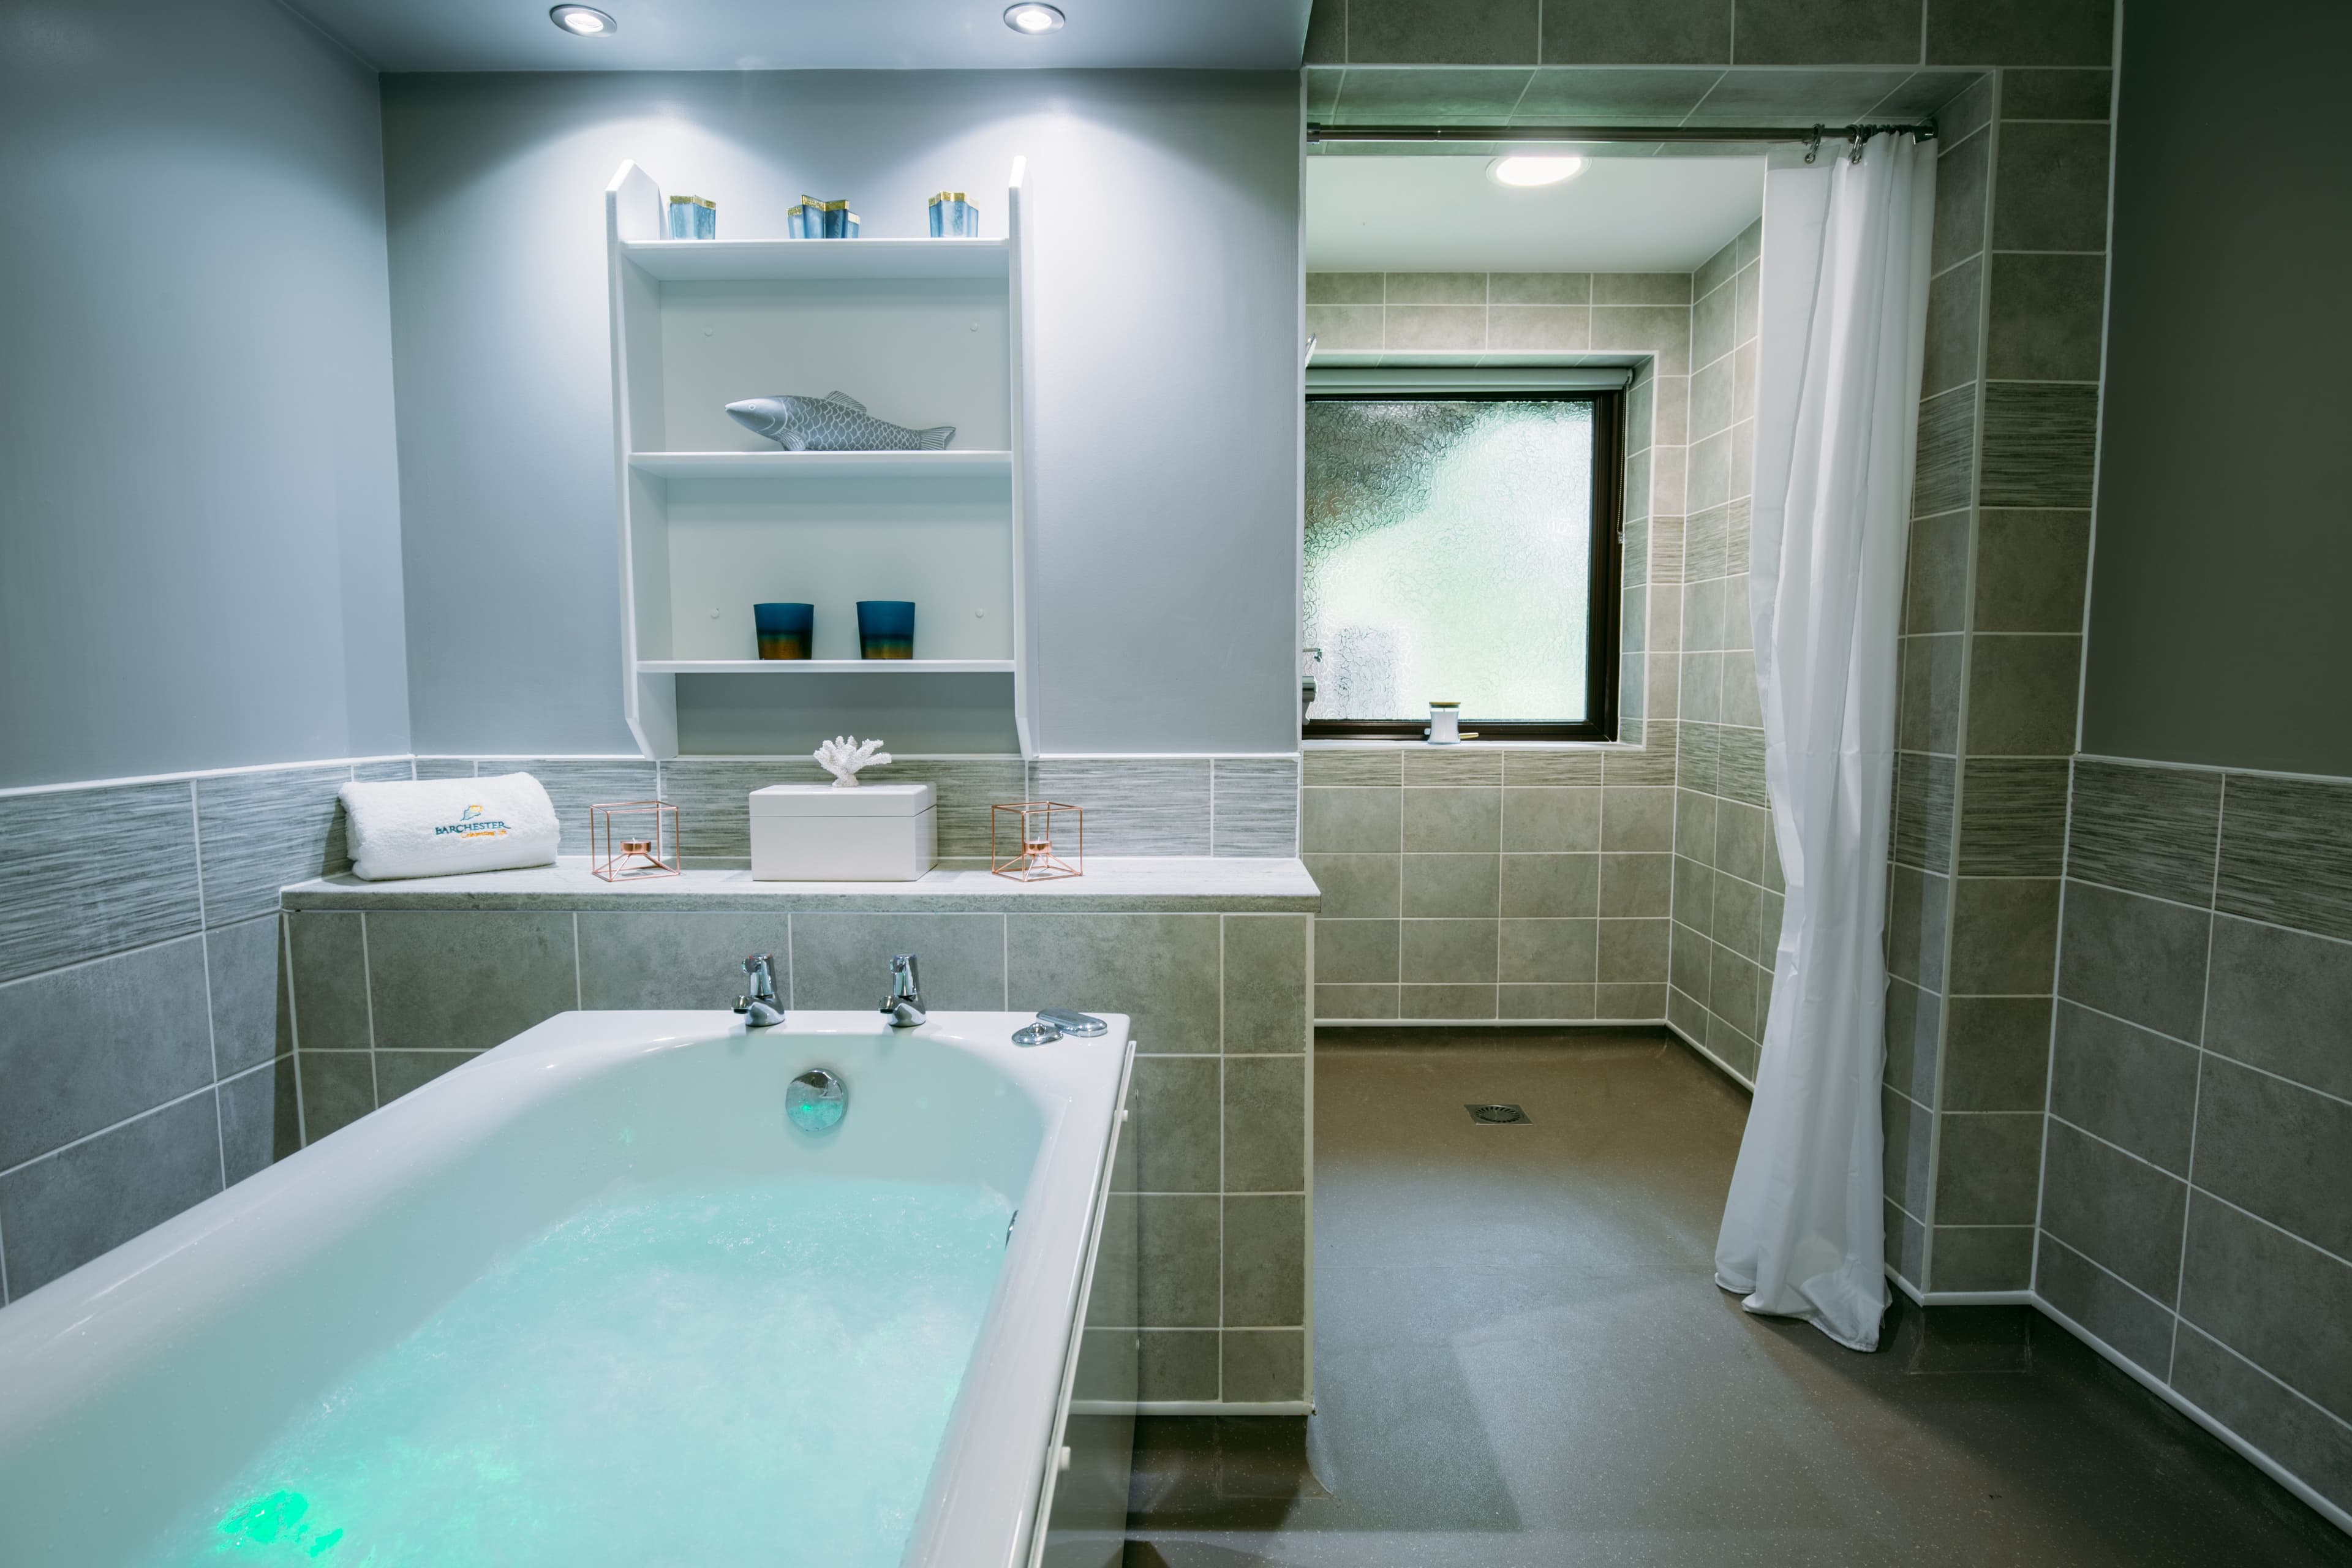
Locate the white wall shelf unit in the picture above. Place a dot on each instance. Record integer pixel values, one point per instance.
(714, 519)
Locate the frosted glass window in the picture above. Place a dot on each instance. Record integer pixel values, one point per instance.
(1450, 557)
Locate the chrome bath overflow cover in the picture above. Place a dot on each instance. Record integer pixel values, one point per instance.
(1070, 1023)
(816, 1100)
(1037, 1034)
(1495, 1113)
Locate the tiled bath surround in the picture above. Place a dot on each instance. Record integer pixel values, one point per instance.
(2198, 1145)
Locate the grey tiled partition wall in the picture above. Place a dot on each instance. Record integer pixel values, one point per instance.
(2192, 1206)
(1214, 1180)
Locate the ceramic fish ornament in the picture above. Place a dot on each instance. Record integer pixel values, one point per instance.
(833, 423)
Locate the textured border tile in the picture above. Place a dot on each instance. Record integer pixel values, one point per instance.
(2013, 816)
(1254, 805)
(2286, 853)
(90, 872)
(1922, 811)
(2145, 830)
(259, 832)
(2041, 443)
(1133, 806)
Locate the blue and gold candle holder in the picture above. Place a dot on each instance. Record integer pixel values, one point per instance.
(886, 629)
(786, 631)
(693, 217)
(953, 217)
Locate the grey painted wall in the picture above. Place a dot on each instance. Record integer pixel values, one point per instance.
(2218, 632)
(1166, 325)
(201, 517)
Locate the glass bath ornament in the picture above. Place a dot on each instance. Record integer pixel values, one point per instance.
(829, 220)
(833, 423)
(693, 217)
(796, 223)
(953, 217)
(886, 629)
(843, 754)
(786, 631)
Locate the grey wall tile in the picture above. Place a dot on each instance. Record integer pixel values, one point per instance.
(1344, 288)
(1265, 983)
(1961, 172)
(2121, 1214)
(241, 964)
(59, 1213)
(2030, 569)
(1925, 94)
(1176, 1261)
(1538, 328)
(1434, 329)
(1255, 802)
(1997, 1055)
(399, 1072)
(2130, 1087)
(1447, 1002)
(1327, 33)
(1927, 706)
(259, 1122)
(1632, 952)
(1266, 1124)
(2280, 1302)
(841, 962)
(1350, 820)
(2135, 958)
(1358, 886)
(2286, 853)
(1989, 1172)
(1571, 1002)
(1916, 908)
(1355, 1001)
(1969, 111)
(2004, 935)
(1739, 922)
(465, 980)
(1906, 1133)
(2053, 187)
(1176, 1121)
(1347, 329)
(1266, 1262)
(1355, 953)
(1364, 766)
(442, 767)
(2138, 1326)
(2279, 1000)
(2041, 444)
(1636, 885)
(2013, 816)
(1551, 885)
(1667, 32)
(2300, 1436)
(1450, 884)
(1264, 1364)
(1179, 1365)
(94, 871)
(1434, 32)
(1549, 951)
(1799, 32)
(2045, 93)
(1134, 806)
(82, 1049)
(1955, 306)
(1642, 999)
(2277, 1149)
(1417, 95)
(1663, 330)
(338, 1088)
(2022, 693)
(1460, 820)
(1650, 764)
(1688, 952)
(1449, 952)
(1717, 270)
(1982, 1258)
(1922, 832)
(1159, 968)
(713, 801)
(1444, 766)
(261, 831)
(329, 980)
(2047, 317)
(2145, 830)
(1538, 288)
(1783, 97)
(1637, 819)
(1914, 1020)
(1642, 289)
(2022, 32)
(694, 959)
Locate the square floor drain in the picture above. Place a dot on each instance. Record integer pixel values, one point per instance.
(1496, 1115)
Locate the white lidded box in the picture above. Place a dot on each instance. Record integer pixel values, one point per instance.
(817, 833)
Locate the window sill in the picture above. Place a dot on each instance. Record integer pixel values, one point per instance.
(1385, 743)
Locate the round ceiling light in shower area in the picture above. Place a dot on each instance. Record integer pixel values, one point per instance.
(1523, 170)
(585, 21)
(1033, 17)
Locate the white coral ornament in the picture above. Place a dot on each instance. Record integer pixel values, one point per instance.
(843, 754)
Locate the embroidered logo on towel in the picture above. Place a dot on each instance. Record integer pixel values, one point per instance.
(472, 824)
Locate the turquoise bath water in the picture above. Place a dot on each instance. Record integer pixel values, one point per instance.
(760, 1374)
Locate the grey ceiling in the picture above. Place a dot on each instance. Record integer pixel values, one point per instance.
(806, 35)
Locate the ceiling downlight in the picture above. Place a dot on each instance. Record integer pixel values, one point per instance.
(583, 21)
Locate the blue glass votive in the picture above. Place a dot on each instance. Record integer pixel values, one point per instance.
(886, 629)
(953, 217)
(693, 217)
(786, 631)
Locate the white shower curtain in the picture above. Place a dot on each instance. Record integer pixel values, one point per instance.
(1843, 318)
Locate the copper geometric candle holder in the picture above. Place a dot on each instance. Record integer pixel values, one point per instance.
(629, 841)
(1025, 840)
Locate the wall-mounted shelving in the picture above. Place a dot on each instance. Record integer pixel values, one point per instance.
(713, 519)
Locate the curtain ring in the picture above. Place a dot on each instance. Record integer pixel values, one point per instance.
(1861, 140)
(1814, 147)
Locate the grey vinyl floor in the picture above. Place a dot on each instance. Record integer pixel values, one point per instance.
(1521, 1358)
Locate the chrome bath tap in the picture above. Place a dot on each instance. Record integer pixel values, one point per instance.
(905, 1003)
(759, 1006)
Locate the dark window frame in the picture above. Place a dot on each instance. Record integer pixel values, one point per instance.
(1607, 570)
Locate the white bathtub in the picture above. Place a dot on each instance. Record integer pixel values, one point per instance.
(133, 1388)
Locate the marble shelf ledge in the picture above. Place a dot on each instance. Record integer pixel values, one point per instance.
(1226, 885)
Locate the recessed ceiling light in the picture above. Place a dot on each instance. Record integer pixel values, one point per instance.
(1523, 170)
(585, 20)
(1033, 16)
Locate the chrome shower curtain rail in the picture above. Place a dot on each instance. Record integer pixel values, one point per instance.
(1925, 131)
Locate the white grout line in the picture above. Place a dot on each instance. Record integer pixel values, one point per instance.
(2196, 1095)
(576, 988)
(293, 1024)
(204, 956)
(367, 989)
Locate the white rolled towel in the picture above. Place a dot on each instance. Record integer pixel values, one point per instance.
(439, 827)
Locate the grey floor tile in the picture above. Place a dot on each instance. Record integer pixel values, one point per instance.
(466, 980)
(2277, 1149)
(1175, 1119)
(1159, 968)
(1266, 1124)
(96, 871)
(262, 831)
(841, 962)
(2278, 1301)
(2135, 958)
(59, 1213)
(242, 964)
(1266, 982)
(689, 959)
(2279, 1001)
(2130, 1087)
(260, 1120)
(82, 1049)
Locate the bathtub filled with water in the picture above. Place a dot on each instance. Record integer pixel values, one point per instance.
(593, 1300)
